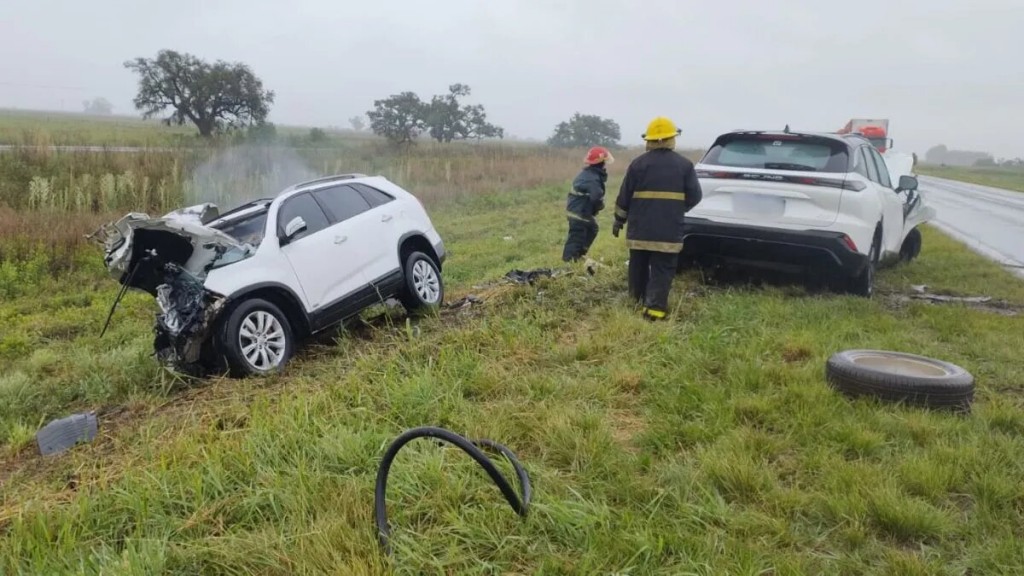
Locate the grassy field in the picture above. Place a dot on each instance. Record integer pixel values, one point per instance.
(49, 200)
(706, 445)
(1007, 178)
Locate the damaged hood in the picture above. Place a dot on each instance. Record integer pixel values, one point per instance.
(138, 248)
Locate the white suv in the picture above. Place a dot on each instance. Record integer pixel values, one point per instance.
(822, 203)
(238, 290)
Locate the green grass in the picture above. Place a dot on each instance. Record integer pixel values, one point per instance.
(706, 445)
(1006, 178)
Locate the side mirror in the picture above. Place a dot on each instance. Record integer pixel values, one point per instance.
(908, 183)
(294, 226)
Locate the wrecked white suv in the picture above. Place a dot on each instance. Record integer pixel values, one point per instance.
(238, 290)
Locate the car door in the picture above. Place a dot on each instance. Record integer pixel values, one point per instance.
(359, 229)
(892, 203)
(394, 224)
(310, 251)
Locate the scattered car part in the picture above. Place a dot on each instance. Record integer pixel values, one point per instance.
(900, 377)
(528, 276)
(519, 502)
(63, 434)
(921, 293)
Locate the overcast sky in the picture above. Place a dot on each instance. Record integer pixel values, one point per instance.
(943, 71)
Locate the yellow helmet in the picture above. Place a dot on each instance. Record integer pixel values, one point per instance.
(660, 128)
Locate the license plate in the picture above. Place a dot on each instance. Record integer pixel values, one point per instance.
(758, 205)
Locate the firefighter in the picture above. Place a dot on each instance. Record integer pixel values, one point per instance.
(586, 200)
(660, 186)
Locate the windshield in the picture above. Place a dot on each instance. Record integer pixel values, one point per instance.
(247, 230)
(774, 152)
(879, 143)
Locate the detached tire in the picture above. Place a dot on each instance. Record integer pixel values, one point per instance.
(424, 288)
(899, 377)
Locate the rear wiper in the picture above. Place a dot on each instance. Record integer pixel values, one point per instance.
(786, 166)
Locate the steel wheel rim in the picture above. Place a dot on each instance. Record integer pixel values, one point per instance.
(425, 282)
(901, 365)
(262, 340)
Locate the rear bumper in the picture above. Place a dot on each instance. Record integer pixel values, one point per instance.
(775, 248)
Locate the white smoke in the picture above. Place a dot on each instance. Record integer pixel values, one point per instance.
(244, 173)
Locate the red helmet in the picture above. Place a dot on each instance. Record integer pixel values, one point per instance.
(598, 154)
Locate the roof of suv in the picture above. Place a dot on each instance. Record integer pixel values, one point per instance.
(780, 133)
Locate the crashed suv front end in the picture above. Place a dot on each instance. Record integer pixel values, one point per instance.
(169, 258)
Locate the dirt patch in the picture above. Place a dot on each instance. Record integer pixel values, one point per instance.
(793, 354)
(626, 426)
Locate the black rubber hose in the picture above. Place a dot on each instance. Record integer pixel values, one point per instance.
(519, 503)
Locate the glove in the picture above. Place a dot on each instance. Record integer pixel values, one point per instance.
(615, 228)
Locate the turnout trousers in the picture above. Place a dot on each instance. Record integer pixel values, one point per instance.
(650, 280)
(582, 233)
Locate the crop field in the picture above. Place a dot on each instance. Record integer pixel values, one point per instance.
(709, 444)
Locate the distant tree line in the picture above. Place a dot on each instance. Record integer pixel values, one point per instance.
(221, 97)
(402, 118)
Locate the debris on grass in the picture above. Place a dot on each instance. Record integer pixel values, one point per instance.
(921, 293)
(529, 276)
(63, 434)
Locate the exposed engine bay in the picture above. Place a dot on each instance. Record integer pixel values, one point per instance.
(169, 258)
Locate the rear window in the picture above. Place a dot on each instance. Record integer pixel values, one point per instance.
(776, 152)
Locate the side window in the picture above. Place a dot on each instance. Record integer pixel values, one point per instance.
(305, 206)
(341, 202)
(860, 163)
(872, 169)
(373, 196)
(883, 170)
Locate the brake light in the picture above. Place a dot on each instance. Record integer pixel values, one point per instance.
(849, 243)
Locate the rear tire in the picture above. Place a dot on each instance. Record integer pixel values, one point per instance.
(424, 288)
(257, 339)
(863, 284)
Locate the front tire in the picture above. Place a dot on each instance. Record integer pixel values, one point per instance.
(911, 246)
(424, 288)
(257, 339)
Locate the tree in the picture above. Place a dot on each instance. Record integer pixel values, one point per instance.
(399, 118)
(215, 97)
(447, 120)
(98, 106)
(317, 135)
(357, 123)
(584, 130)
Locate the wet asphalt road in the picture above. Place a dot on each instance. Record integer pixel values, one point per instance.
(988, 220)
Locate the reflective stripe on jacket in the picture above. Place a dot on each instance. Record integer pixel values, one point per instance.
(587, 195)
(660, 187)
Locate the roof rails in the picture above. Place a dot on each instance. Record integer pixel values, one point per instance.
(326, 179)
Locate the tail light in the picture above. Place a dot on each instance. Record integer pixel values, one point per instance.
(849, 243)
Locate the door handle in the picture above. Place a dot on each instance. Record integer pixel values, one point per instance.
(340, 239)
(385, 218)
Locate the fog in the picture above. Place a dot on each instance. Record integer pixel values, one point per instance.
(942, 71)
